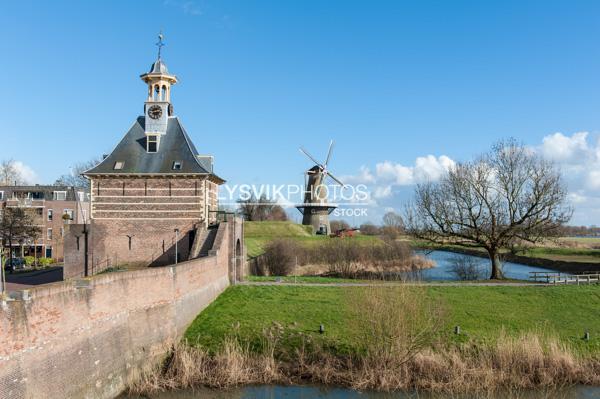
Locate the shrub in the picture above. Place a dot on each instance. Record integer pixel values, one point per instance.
(280, 257)
(45, 261)
(466, 268)
(29, 260)
(369, 229)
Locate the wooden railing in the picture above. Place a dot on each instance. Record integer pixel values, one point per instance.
(562, 278)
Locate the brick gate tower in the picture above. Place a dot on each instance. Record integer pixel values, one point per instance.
(154, 189)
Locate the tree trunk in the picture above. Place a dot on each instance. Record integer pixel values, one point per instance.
(496, 265)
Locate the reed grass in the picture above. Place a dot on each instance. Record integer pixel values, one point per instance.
(511, 364)
(400, 347)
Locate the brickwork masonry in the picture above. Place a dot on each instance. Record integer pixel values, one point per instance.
(84, 338)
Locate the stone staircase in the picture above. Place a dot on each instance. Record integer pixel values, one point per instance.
(203, 242)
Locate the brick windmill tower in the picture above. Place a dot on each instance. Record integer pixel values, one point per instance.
(316, 208)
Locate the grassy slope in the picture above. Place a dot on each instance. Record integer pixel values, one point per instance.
(482, 313)
(258, 234)
(565, 254)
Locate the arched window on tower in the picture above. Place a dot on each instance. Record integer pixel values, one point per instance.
(156, 93)
(164, 93)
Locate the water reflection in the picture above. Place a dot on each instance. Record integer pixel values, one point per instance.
(444, 261)
(306, 392)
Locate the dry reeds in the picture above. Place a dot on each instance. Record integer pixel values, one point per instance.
(341, 257)
(398, 346)
(510, 364)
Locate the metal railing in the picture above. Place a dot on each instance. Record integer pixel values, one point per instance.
(25, 203)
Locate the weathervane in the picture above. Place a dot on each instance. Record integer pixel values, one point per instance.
(160, 43)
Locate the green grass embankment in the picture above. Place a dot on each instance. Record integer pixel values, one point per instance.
(483, 313)
(258, 234)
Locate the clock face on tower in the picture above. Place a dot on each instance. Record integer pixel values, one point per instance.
(155, 112)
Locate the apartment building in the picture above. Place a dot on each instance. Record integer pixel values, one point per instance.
(52, 208)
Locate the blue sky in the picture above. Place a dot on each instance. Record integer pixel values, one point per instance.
(391, 82)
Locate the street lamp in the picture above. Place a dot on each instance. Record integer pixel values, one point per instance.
(176, 240)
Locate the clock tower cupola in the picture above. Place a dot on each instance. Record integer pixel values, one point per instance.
(158, 106)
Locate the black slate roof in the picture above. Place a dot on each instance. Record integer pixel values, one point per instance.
(175, 146)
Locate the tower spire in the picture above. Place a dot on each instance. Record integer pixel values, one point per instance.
(160, 43)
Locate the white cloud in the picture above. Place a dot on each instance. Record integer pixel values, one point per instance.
(382, 192)
(27, 174)
(427, 168)
(559, 147)
(430, 168)
(578, 157)
(576, 198)
(593, 179)
(399, 174)
(364, 177)
(388, 175)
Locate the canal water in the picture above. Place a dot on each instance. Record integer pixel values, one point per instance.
(445, 260)
(306, 392)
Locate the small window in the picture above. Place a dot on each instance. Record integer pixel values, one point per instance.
(1, 195)
(60, 196)
(50, 214)
(177, 165)
(152, 143)
(119, 165)
(49, 234)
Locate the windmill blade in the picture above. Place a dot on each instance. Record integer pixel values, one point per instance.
(329, 153)
(302, 150)
(335, 179)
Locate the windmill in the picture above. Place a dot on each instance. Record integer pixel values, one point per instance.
(316, 209)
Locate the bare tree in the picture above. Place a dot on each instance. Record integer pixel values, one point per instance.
(75, 178)
(507, 194)
(10, 174)
(17, 226)
(261, 209)
(393, 225)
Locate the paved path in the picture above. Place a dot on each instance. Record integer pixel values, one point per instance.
(386, 284)
(21, 281)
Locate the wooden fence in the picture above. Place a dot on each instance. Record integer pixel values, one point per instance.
(562, 278)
